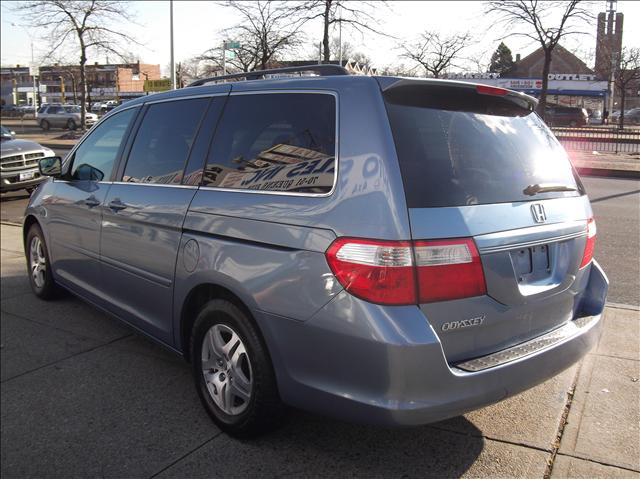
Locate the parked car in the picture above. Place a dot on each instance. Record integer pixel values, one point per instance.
(631, 117)
(9, 111)
(595, 117)
(379, 249)
(6, 133)
(556, 115)
(615, 116)
(104, 106)
(64, 116)
(19, 163)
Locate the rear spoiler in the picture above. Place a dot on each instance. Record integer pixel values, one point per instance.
(452, 95)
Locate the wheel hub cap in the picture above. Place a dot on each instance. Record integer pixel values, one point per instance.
(226, 369)
(37, 262)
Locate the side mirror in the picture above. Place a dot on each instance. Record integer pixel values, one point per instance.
(51, 166)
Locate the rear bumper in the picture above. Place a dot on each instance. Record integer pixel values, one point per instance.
(385, 365)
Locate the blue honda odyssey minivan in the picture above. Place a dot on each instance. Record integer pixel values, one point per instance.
(386, 250)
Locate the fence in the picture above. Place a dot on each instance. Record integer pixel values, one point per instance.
(609, 140)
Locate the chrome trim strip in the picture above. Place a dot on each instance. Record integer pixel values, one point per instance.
(555, 239)
(164, 185)
(527, 348)
(336, 156)
(186, 97)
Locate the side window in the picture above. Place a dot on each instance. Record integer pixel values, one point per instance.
(54, 110)
(163, 141)
(275, 142)
(95, 157)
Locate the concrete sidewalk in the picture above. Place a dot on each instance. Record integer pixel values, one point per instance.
(83, 396)
(606, 164)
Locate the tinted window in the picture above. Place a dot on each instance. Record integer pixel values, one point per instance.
(457, 157)
(275, 142)
(94, 158)
(163, 141)
(54, 110)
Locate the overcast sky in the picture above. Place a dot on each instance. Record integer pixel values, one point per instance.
(197, 26)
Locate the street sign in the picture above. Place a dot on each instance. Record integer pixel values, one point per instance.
(157, 85)
(34, 70)
(231, 45)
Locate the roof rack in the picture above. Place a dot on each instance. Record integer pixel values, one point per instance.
(321, 70)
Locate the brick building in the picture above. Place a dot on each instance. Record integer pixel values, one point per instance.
(103, 82)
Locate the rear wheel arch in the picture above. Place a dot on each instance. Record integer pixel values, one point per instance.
(195, 301)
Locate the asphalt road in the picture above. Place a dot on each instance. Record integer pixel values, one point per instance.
(616, 205)
(616, 208)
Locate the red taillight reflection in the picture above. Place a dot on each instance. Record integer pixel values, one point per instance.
(591, 243)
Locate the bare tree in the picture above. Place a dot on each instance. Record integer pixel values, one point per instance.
(244, 59)
(358, 16)
(536, 18)
(348, 49)
(93, 25)
(627, 73)
(436, 52)
(268, 29)
(69, 70)
(400, 70)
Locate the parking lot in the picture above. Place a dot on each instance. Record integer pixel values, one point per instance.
(84, 396)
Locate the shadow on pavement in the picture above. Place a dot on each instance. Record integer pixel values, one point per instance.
(83, 397)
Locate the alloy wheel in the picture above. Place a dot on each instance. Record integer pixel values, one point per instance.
(226, 368)
(38, 262)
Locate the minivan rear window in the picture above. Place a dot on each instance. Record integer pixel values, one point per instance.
(457, 156)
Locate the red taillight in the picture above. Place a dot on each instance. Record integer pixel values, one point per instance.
(386, 272)
(448, 269)
(491, 90)
(377, 271)
(591, 243)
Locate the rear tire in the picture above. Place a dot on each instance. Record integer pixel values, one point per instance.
(44, 124)
(39, 266)
(233, 373)
(71, 124)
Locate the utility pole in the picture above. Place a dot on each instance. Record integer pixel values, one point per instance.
(613, 56)
(35, 89)
(224, 57)
(340, 37)
(173, 65)
(62, 92)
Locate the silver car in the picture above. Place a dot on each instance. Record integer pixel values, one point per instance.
(64, 116)
(19, 163)
(379, 249)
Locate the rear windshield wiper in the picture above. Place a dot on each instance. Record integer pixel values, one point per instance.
(533, 190)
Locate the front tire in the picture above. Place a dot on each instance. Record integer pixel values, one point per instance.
(233, 373)
(44, 124)
(39, 265)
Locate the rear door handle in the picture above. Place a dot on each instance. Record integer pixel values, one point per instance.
(117, 205)
(91, 202)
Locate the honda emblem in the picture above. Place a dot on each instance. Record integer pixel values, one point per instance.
(537, 211)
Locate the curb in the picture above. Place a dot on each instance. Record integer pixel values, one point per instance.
(56, 146)
(605, 172)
